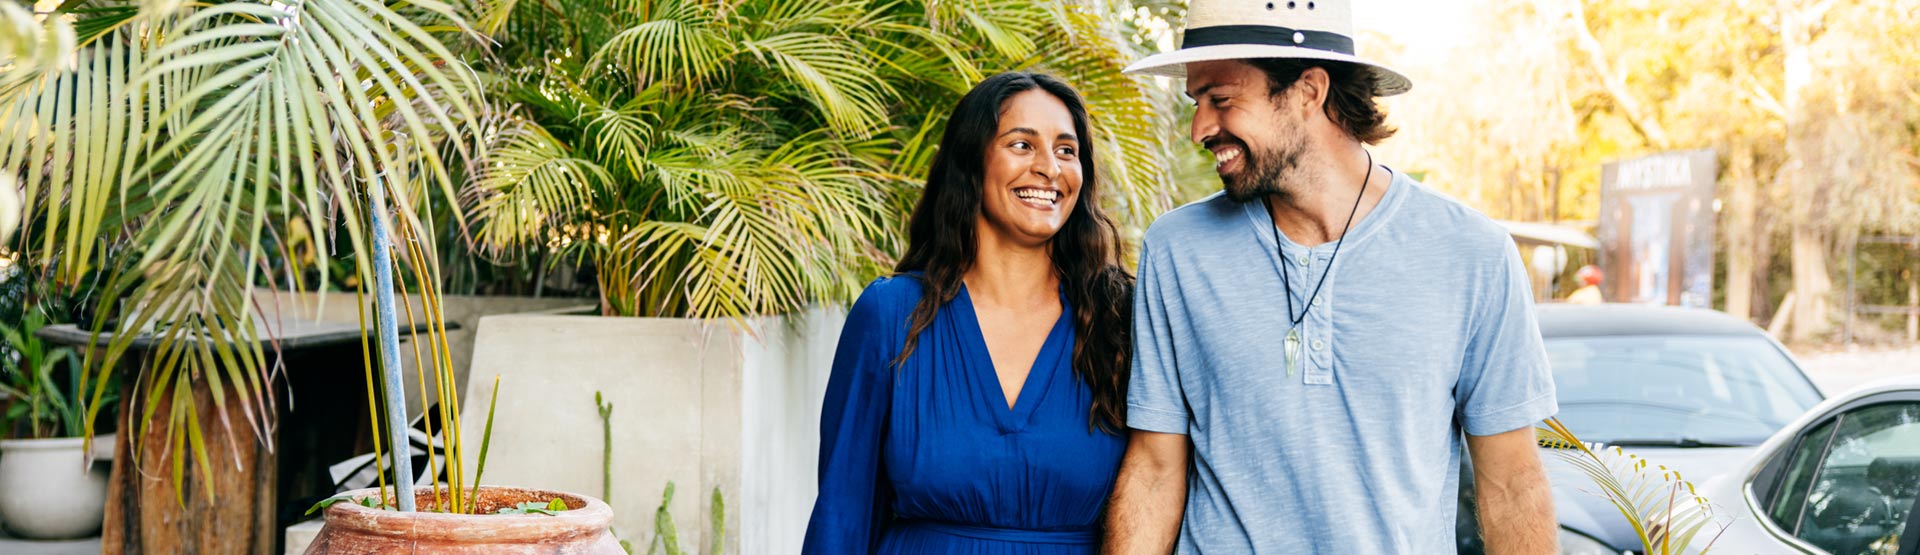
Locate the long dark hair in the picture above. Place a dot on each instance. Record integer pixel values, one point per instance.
(1086, 251)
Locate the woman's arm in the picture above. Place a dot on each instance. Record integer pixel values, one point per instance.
(854, 501)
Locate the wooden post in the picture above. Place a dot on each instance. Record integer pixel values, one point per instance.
(1913, 306)
(145, 516)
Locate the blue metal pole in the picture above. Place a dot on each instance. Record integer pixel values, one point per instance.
(401, 448)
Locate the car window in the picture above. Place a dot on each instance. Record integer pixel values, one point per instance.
(1714, 389)
(1862, 487)
(1791, 497)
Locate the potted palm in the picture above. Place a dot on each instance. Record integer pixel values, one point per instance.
(49, 488)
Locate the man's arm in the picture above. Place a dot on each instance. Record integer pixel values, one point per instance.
(1516, 503)
(1149, 496)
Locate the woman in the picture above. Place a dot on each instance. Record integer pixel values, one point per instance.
(977, 403)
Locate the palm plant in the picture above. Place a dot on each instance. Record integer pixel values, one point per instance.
(27, 374)
(1657, 502)
(728, 158)
(173, 145)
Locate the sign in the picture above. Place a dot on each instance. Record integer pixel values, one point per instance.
(1656, 229)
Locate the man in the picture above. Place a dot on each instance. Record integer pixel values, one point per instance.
(1311, 344)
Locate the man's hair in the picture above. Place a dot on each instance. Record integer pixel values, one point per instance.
(1350, 100)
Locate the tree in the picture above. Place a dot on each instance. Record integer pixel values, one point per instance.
(729, 159)
(173, 142)
(1815, 130)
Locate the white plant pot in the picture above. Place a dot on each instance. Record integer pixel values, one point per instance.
(48, 492)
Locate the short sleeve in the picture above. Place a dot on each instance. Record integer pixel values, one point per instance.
(1505, 382)
(855, 501)
(1155, 402)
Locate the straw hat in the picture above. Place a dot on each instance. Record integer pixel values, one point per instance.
(1242, 29)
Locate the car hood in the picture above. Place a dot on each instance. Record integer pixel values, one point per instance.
(1580, 506)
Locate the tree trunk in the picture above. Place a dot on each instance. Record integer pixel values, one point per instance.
(1812, 285)
(1740, 231)
(1614, 82)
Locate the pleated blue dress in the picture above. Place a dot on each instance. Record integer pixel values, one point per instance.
(927, 458)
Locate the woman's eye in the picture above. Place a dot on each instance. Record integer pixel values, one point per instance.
(1065, 151)
(1022, 145)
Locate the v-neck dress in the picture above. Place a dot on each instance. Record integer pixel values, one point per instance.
(927, 458)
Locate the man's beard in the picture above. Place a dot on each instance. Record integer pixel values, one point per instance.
(1260, 173)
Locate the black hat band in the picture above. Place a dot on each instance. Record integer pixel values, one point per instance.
(1271, 35)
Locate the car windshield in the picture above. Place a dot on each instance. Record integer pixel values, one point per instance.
(1683, 391)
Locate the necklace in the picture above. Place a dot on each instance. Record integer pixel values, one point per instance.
(1293, 322)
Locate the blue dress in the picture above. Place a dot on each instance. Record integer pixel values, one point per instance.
(927, 458)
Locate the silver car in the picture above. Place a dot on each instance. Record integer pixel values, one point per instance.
(1693, 390)
(1840, 480)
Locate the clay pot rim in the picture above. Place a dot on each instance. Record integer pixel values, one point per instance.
(594, 517)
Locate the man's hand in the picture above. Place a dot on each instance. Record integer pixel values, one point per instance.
(1150, 495)
(1516, 503)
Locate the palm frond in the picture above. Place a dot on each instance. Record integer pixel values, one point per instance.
(1007, 26)
(623, 133)
(529, 186)
(186, 132)
(70, 135)
(30, 47)
(775, 232)
(808, 45)
(1663, 508)
(682, 44)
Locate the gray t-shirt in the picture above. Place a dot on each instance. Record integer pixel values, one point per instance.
(1424, 328)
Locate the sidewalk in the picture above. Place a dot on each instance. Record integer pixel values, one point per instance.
(1838, 369)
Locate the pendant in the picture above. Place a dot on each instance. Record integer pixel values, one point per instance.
(1293, 350)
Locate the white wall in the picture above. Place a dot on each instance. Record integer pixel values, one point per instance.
(701, 403)
(784, 374)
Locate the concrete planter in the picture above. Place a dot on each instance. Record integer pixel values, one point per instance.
(580, 530)
(698, 403)
(47, 489)
(463, 311)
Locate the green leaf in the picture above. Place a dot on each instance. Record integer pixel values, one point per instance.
(373, 502)
(550, 508)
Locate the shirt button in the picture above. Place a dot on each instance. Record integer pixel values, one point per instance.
(1319, 345)
(1306, 259)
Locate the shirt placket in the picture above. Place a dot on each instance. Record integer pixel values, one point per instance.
(1318, 335)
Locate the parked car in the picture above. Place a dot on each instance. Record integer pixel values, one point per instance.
(1841, 480)
(1692, 389)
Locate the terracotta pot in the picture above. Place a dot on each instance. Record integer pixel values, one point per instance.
(583, 529)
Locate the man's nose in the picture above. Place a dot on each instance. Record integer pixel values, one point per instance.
(1205, 125)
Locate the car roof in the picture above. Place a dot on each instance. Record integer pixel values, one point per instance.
(1602, 320)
